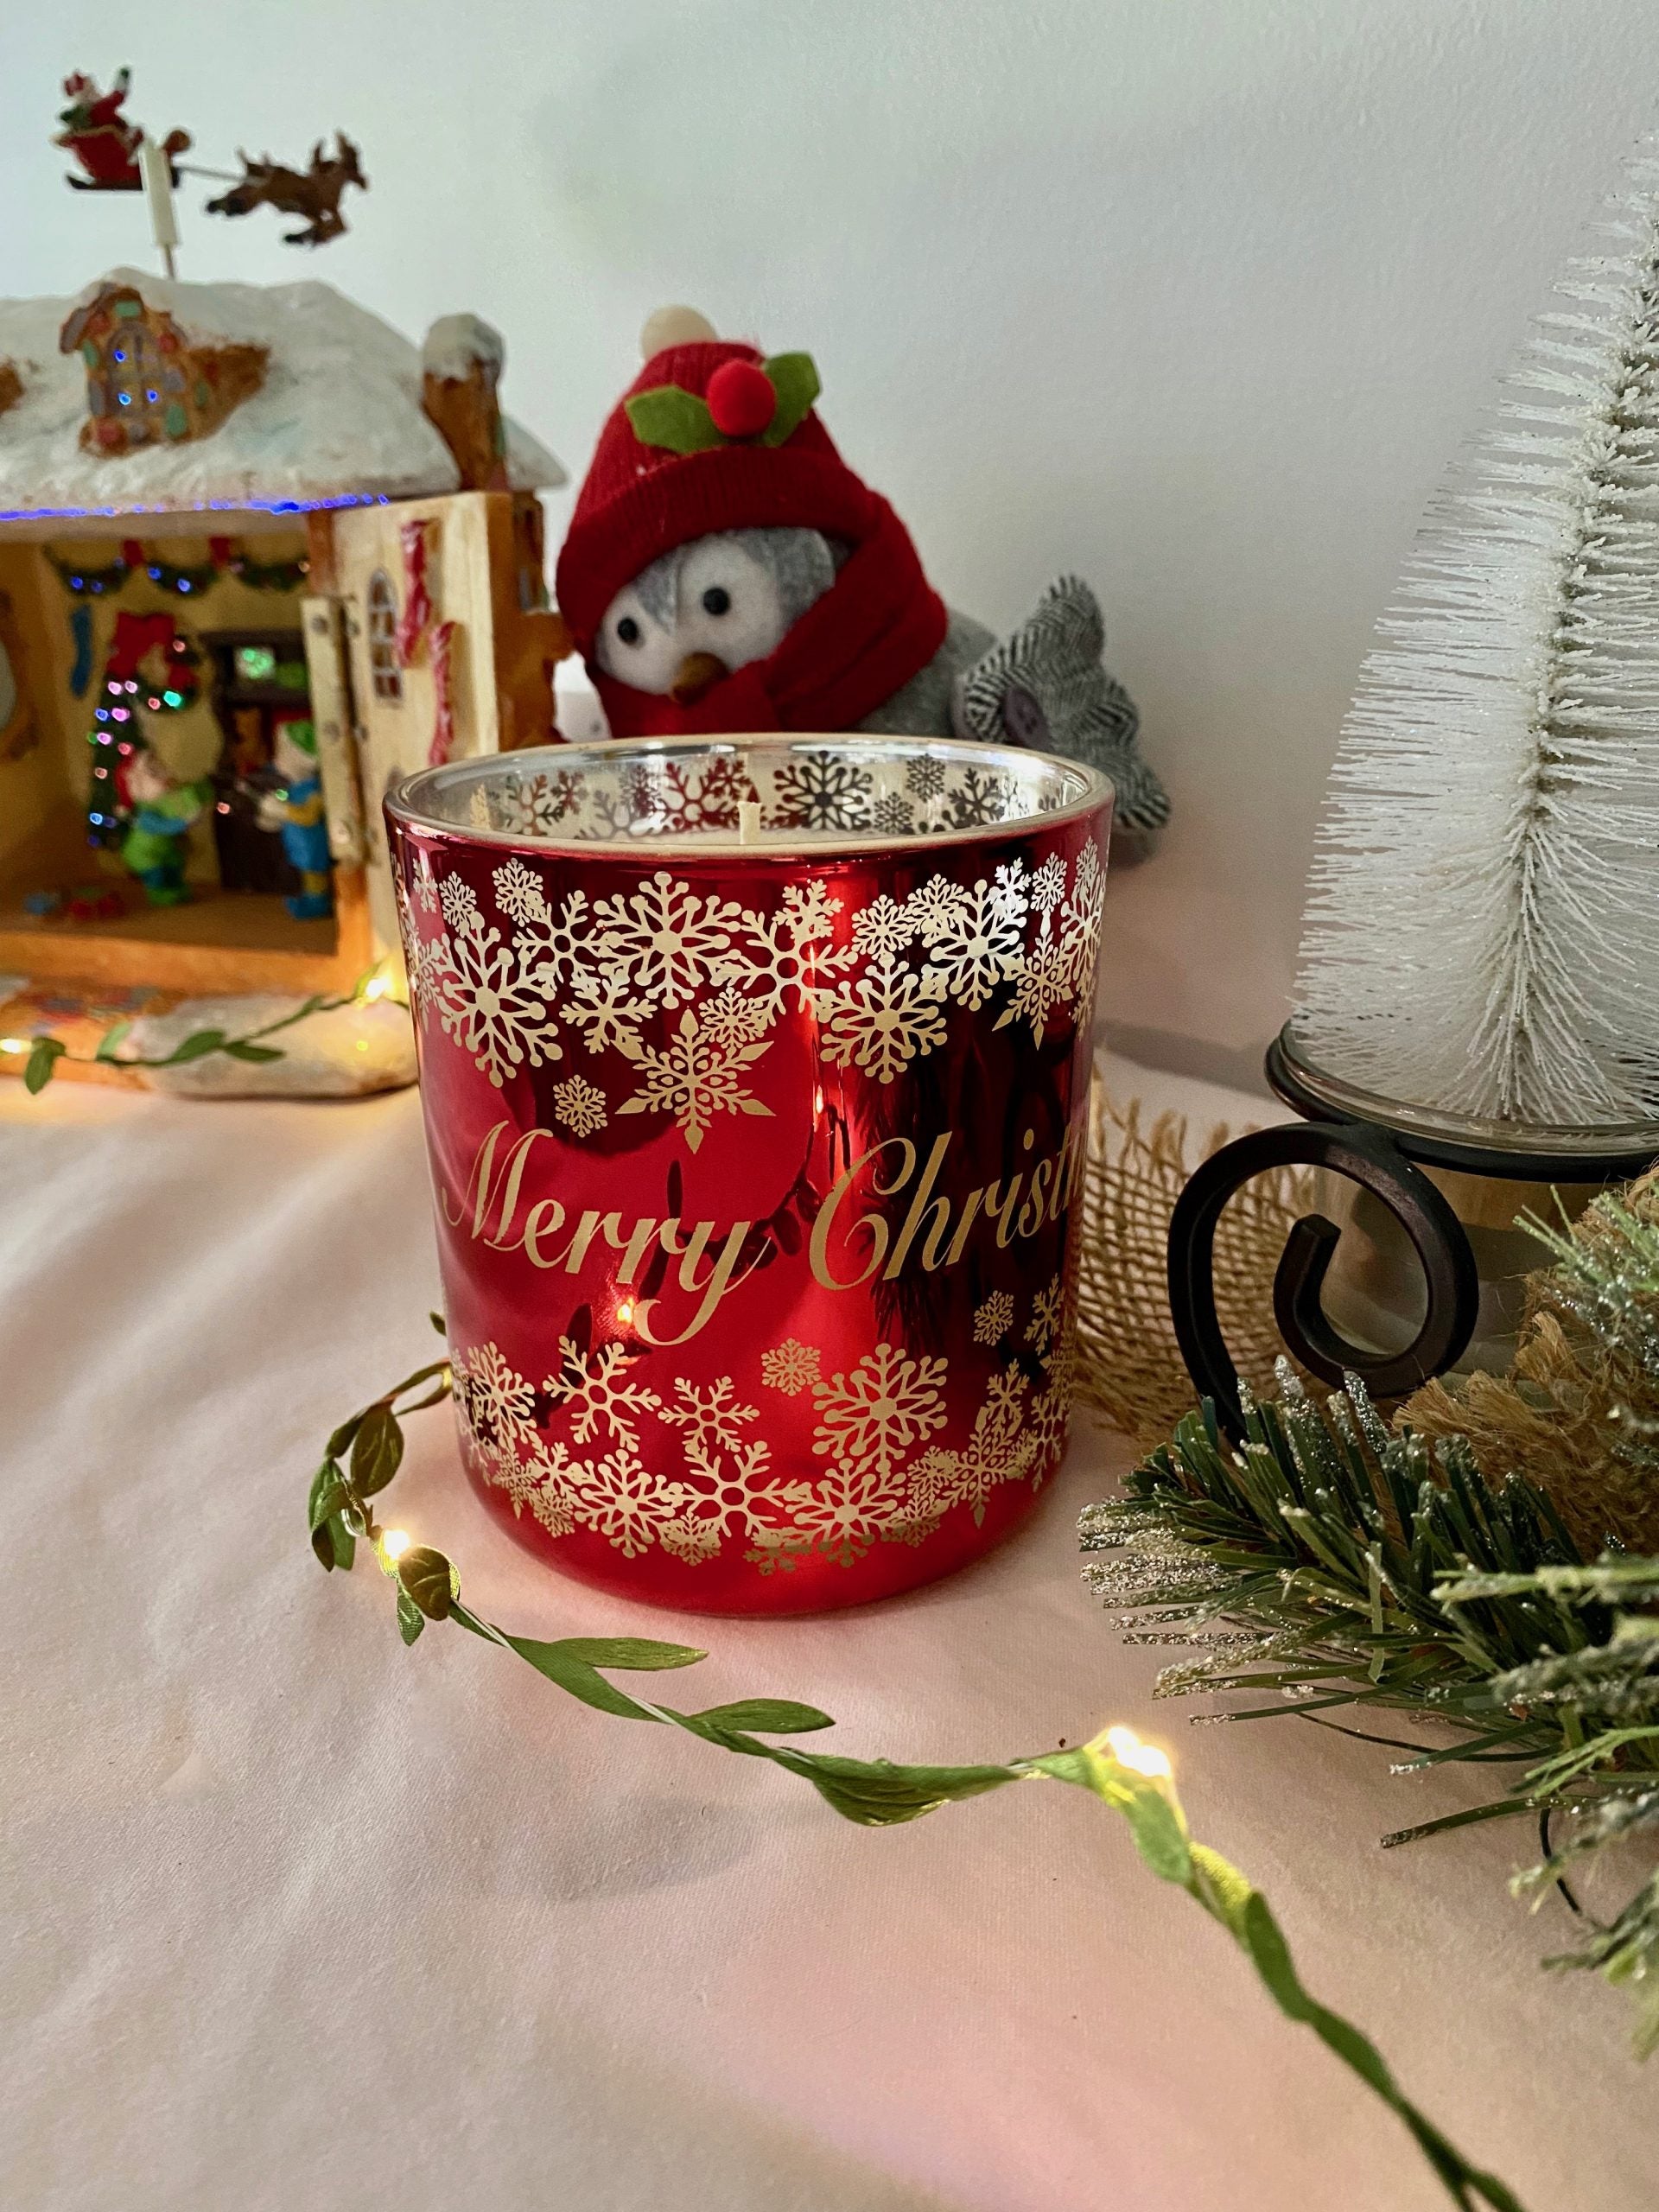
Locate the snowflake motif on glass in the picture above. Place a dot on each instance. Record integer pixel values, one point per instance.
(706, 800)
(486, 995)
(599, 1392)
(730, 1021)
(1059, 969)
(784, 954)
(884, 1405)
(605, 1010)
(1050, 1417)
(621, 1500)
(1048, 884)
(494, 1400)
(979, 797)
(881, 1020)
(666, 939)
(999, 1451)
(821, 791)
(695, 1076)
(849, 1509)
(977, 941)
(534, 806)
(790, 1367)
(924, 777)
(884, 928)
(993, 1321)
(580, 1105)
(550, 1501)
(709, 1415)
(426, 888)
(893, 816)
(1047, 1308)
(725, 1491)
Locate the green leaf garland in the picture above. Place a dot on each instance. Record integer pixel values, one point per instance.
(1113, 1767)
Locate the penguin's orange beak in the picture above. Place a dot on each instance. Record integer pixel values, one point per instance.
(697, 673)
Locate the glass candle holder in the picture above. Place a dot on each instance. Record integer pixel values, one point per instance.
(755, 1075)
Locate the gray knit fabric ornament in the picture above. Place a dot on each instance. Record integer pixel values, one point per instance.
(1047, 687)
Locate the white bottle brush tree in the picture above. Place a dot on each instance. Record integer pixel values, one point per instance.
(1482, 932)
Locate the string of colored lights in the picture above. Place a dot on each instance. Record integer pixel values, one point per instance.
(117, 733)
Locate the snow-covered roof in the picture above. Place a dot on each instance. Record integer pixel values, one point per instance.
(337, 422)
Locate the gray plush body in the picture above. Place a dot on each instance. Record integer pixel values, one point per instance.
(718, 602)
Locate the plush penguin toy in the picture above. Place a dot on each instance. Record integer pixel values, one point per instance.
(725, 571)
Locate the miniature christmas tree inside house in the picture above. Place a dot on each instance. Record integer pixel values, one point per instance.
(258, 558)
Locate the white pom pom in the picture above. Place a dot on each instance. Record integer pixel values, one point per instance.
(674, 327)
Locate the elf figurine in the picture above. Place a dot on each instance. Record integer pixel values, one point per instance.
(298, 809)
(725, 571)
(162, 809)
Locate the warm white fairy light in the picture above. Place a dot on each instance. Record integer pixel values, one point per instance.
(396, 1542)
(1129, 1751)
(14, 1044)
(378, 984)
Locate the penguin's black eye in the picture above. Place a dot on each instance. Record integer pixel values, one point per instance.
(628, 631)
(716, 600)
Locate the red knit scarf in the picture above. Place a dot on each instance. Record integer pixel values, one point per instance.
(879, 623)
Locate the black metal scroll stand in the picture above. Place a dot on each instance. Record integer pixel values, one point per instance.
(1385, 1162)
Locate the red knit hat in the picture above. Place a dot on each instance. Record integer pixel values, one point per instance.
(639, 500)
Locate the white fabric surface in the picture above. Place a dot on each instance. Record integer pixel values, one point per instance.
(304, 1919)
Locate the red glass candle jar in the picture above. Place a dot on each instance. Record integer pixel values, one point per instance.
(755, 1075)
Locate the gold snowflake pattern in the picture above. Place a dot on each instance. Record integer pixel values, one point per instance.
(1047, 1309)
(710, 1415)
(999, 1451)
(882, 1406)
(598, 1391)
(620, 1499)
(993, 1321)
(580, 1105)
(685, 1474)
(666, 938)
(881, 1020)
(697, 1075)
(715, 977)
(790, 1367)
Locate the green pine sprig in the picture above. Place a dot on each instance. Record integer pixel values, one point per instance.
(362, 1458)
(1330, 1562)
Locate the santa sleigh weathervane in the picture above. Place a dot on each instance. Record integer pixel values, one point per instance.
(111, 151)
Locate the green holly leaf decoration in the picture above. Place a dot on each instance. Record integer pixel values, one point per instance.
(795, 379)
(673, 418)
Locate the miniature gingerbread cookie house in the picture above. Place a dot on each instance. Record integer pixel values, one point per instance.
(254, 546)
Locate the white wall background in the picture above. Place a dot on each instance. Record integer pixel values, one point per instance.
(1194, 297)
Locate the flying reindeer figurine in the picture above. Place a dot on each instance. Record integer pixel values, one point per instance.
(314, 193)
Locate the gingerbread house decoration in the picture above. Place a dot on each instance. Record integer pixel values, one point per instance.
(147, 382)
(271, 490)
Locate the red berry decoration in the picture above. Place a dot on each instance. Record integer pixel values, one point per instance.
(741, 400)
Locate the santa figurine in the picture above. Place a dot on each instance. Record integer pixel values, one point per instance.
(725, 571)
